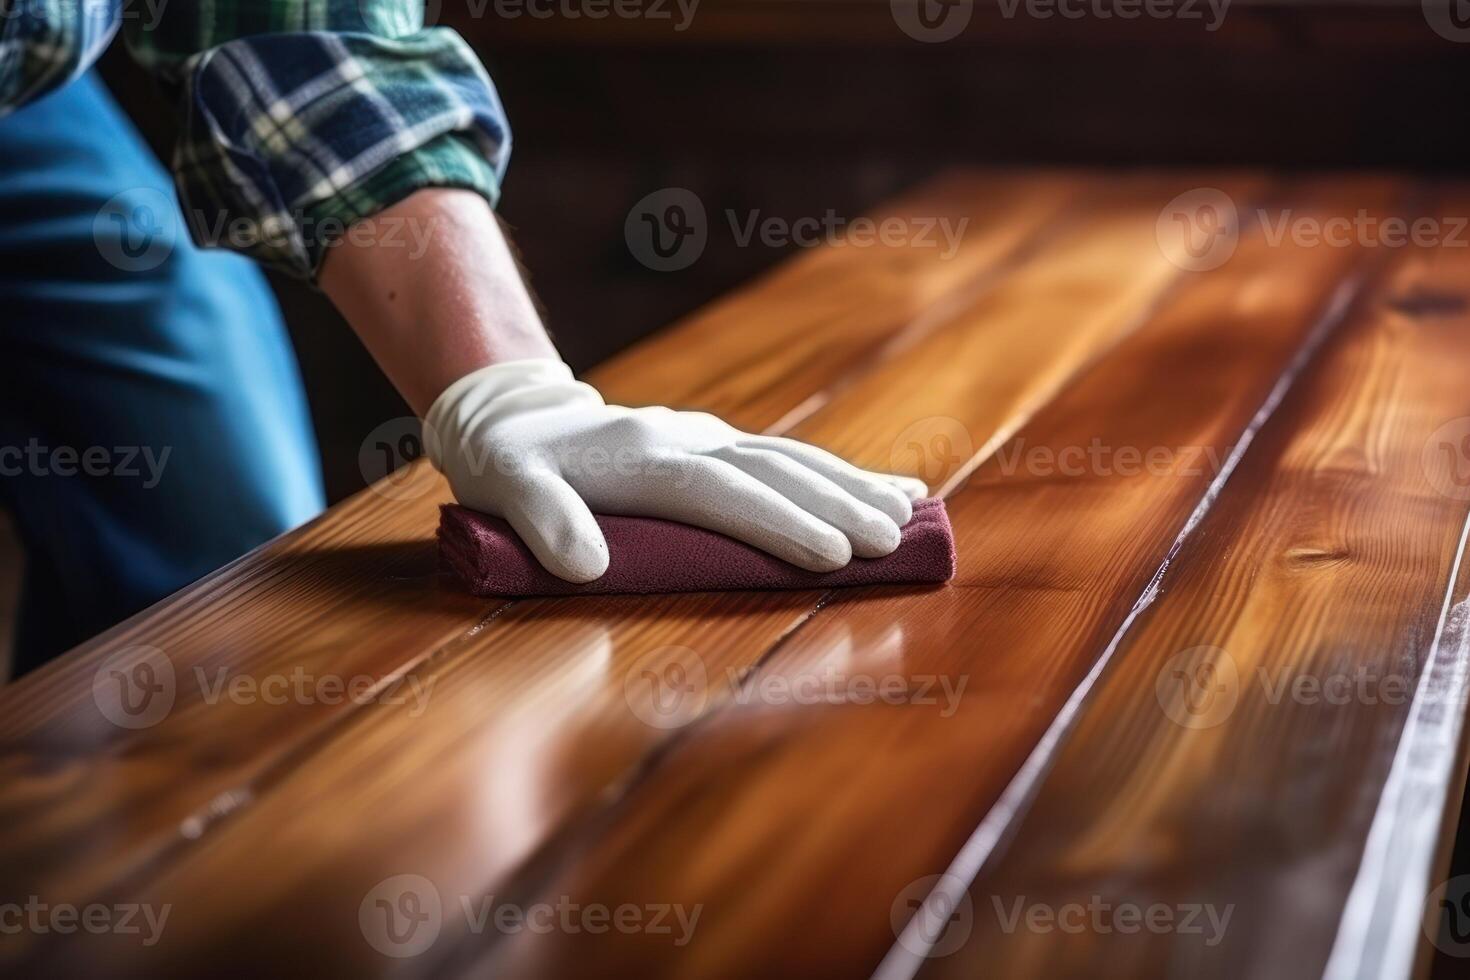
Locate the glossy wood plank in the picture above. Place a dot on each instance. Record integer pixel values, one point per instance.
(1064, 306)
(831, 313)
(354, 600)
(800, 829)
(354, 596)
(1232, 758)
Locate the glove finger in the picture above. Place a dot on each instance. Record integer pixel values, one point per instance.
(713, 494)
(874, 489)
(907, 485)
(871, 533)
(557, 526)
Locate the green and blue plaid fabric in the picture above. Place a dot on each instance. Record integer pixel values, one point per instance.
(299, 117)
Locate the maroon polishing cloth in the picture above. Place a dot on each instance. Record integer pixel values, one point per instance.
(651, 555)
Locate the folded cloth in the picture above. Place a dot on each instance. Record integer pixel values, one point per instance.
(647, 554)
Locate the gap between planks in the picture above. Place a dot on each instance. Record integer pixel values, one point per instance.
(930, 320)
(909, 952)
(542, 865)
(1411, 817)
(193, 828)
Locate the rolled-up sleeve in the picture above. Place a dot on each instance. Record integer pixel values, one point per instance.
(300, 118)
(46, 43)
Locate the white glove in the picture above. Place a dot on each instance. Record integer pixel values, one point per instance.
(524, 441)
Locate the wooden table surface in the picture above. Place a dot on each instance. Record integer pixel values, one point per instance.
(1192, 705)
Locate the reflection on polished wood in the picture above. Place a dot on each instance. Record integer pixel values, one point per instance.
(1156, 475)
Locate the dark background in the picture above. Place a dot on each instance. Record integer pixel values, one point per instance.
(793, 107)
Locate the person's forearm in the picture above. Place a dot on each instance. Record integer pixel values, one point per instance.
(431, 288)
(516, 436)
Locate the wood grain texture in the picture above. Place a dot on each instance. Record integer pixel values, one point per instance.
(1139, 460)
(354, 597)
(1250, 718)
(1050, 566)
(831, 313)
(1106, 258)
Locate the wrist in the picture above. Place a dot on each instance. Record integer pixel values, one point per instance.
(432, 316)
(489, 394)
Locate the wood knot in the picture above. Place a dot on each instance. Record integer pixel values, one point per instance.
(1312, 557)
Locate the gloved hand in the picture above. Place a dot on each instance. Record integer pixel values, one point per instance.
(524, 441)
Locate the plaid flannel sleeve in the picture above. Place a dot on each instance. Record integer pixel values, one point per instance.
(301, 117)
(46, 43)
